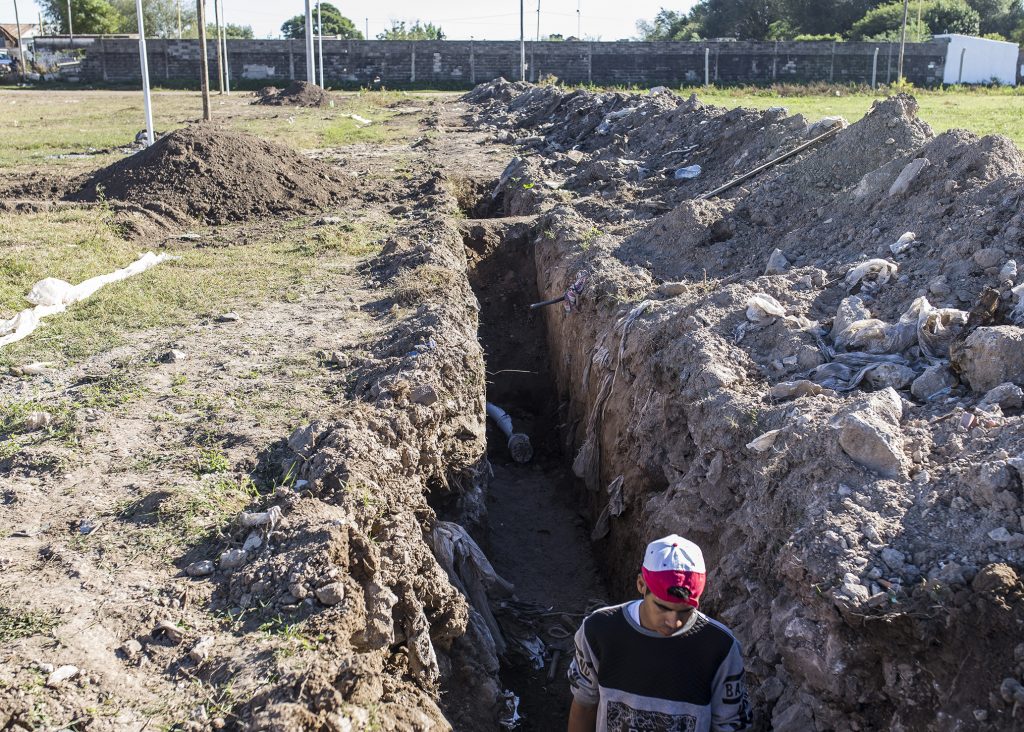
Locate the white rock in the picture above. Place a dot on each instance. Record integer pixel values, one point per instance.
(1002, 535)
(893, 558)
(992, 356)
(202, 568)
(904, 243)
(174, 356)
(38, 420)
(906, 177)
(201, 650)
(331, 594)
(764, 442)
(872, 437)
(423, 394)
(777, 263)
(60, 675)
(233, 558)
(231, 317)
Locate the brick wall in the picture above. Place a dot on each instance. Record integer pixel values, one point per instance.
(465, 63)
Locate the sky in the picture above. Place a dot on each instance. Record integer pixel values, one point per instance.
(606, 20)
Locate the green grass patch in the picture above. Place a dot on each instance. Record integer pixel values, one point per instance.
(195, 511)
(15, 624)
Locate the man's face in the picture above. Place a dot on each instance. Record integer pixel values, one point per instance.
(662, 617)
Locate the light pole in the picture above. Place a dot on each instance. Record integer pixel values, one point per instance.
(320, 43)
(204, 63)
(310, 60)
(579, 19)
(21, 46)
(145, 74)
(220, 47)
(538, 21)
(224, 42)
(903, 41)
(522, 42)
(71, 29)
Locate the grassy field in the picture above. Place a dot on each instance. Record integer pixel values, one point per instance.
(986, 112)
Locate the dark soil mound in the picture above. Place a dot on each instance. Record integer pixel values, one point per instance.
(298, 94)
(216, 175)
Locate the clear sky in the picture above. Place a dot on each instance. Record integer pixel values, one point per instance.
(607, 20)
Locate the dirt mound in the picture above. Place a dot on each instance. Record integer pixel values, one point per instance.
(296, 94)
(821, 418)
(215, 175)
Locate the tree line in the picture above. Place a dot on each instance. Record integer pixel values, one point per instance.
(854, 20)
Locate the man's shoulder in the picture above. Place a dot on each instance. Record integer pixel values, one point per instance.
(716, 629)
(605, 617)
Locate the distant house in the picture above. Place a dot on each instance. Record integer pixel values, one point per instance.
(9, 33)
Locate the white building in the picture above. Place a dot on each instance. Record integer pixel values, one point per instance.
(971, 60)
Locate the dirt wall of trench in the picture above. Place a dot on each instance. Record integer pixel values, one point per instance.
(872, 587)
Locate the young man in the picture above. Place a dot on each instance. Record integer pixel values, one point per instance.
(658, 664)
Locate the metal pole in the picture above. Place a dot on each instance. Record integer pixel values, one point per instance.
(367, 21)
(320, 43)
(522, 42)
(179, 20)
(960, 77)
(579, 19)
(204, 63)
(874, 69)
(310, 59)
(145, 74)
(538, 20)
(71, 28)
(903, 42)
(220, 49)
(707, 66)
(21, 46)
(224, 41)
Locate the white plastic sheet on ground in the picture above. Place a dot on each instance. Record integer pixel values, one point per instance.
(52, 296)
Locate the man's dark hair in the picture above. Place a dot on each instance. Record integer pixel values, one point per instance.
(682, 593)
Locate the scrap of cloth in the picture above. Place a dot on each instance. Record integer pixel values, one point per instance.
(691, 681)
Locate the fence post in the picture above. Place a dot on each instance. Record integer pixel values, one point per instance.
(832, 65)
(412, 72)
(707, 66)
(874, 69)
(960, 77)
(472, 64)
(590, 63)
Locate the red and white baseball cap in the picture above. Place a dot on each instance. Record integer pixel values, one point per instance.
(674, 570)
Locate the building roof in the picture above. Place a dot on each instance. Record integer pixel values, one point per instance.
(10, 31)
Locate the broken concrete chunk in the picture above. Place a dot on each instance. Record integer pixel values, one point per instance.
(331, 594)
(233, 558)
(1005, 396)
(992, 356)
(872, 437)
(893, 558)
(989, 257)
(201, 650)
(936, 379)
(853, 590)
(303, 439)
(850, 310)
(38, 420)
(168, 629)
(907, 176)
(764, 442)
(174, 356)
(890, 374)
(777, 263)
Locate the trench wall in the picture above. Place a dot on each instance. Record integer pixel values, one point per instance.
(448, 64)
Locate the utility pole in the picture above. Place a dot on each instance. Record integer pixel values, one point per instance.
(204, 64)
(145, 74)
(179, 20)
(579, 19)
(71, 29)
(21, 46)
(320, 42)
(310, 59)
(522, 42)
(903, 41)
(220, 59)
(538, 21)
(227, 61)
(367, 20)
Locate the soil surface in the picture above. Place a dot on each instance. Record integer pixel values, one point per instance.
(296, 94)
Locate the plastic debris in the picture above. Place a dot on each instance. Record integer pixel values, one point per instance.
(762, 309)
(38, 420)
(687, 173)
(51, 296)
(509, 717)
(765, 442)
(572, 295)
(518, 444)
(250, 519)
(904, 243)
(877, 271)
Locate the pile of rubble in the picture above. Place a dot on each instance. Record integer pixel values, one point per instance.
(814, 373)
(296, 94)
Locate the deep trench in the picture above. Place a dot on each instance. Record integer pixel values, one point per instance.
(536, 537)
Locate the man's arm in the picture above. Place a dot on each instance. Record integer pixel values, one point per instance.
(730, 708)
(582, 717)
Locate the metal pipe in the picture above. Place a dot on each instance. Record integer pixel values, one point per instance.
(320, 43)
(227, 63)
(874, 69)
(518, 443)
(522, 42)
(707, 66)
(145, 74)
(310, 58)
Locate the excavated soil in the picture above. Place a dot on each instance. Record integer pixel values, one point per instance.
(814, 374)
(217, 176)
(296, 94)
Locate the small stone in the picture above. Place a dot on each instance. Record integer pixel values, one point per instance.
(1006, 396)
(38, 420)
(893, 558)
(174, 356)
(252, 542)
(777, 263)
(981, 715)
(60, 675)
(1011, 690)
(423, 394)
(201, 650)
(339, 359)
(991, 356)
(936, 379)
(231, 317)
(233, 558)
(202, 568)
(939, 287)
(1008, 273)
(131, 648)
(989, 257)
(169, 629)
(331, 594)
(906, 177)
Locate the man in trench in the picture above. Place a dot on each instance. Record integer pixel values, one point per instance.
(658, 664)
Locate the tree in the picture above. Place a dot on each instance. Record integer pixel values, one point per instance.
(952, 16)
(91, 17)
(819, 17)
(418, 31)
(232, 30)
(937, 16)
(333, 23)
(998, 16)
(160, 17)
(743, 19)
(668, 25)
